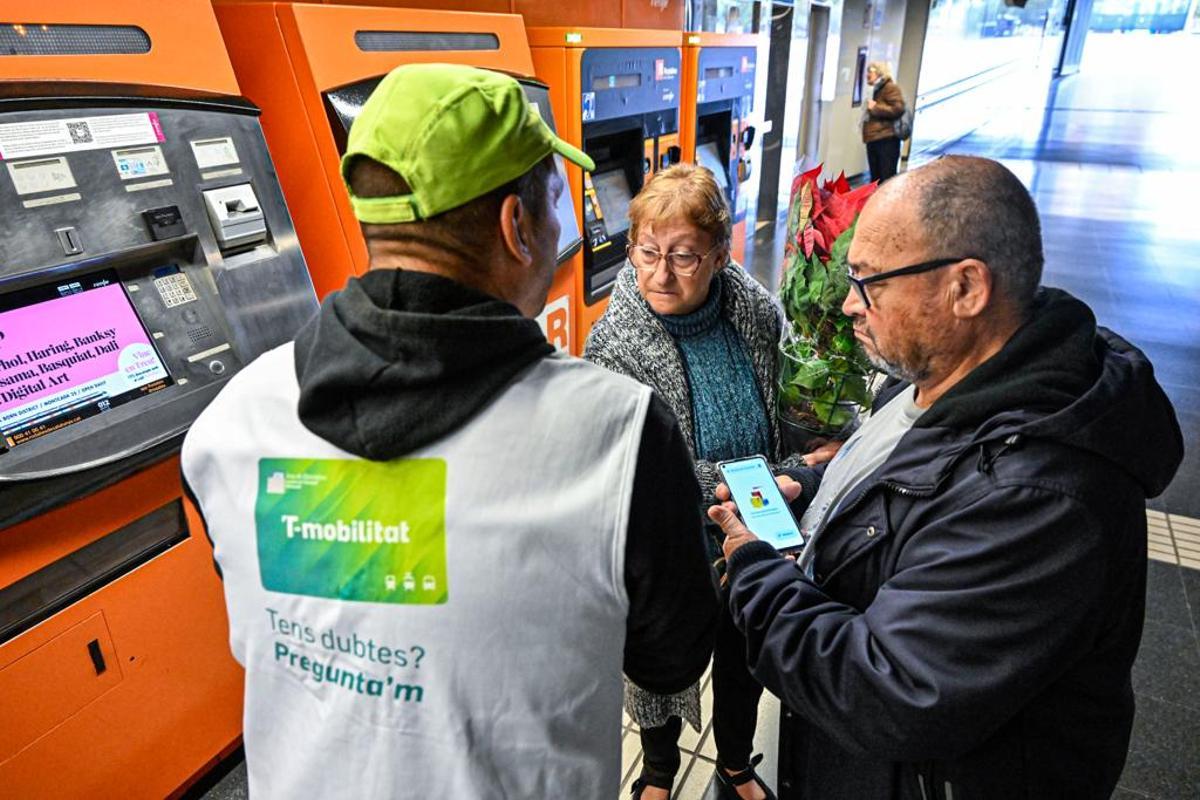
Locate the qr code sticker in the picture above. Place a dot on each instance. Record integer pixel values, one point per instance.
(80, 133)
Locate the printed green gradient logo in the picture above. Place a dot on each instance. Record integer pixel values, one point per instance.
(353, 530)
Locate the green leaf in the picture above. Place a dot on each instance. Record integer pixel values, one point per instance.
(790, 397)
(811, 375)
(839, 416)
(838, 285)
(855, 390)
(816, 287)
(841, 247)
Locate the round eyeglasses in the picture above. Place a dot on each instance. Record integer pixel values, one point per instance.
(682, 263)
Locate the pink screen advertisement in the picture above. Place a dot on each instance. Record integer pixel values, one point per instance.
(69, 357)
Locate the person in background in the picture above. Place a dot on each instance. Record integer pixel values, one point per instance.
(964, 619)
(733, 20)
(693, 326)
(885, 104)
(404, 477)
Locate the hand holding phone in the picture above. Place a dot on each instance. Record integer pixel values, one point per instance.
(761, 505)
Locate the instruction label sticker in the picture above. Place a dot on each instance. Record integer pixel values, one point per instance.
(140, 162)
(41, 175)
(355, 530)
(46, 137)
(211, 153)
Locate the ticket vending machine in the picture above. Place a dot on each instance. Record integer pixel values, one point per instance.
(616, 93)
(146, 256)
(311, 67)
(718, 80)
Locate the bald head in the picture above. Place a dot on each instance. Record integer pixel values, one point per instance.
(965, 206)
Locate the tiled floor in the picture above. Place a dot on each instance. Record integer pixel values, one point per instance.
(695, 780)
(1174, 539)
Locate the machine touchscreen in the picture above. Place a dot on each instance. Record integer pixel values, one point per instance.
(708, 156)
(69, 351)
(612, 190)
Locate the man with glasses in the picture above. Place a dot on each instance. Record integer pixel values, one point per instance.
(964, 618)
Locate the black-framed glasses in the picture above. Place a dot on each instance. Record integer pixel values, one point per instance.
(860, 284)
(646, 258)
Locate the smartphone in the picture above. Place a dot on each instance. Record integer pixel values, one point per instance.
(760, 503)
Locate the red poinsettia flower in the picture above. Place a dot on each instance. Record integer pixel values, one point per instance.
(827, 210)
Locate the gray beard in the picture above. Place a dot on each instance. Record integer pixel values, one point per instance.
(899, 371)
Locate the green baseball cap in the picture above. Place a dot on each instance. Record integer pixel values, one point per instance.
(453, 133)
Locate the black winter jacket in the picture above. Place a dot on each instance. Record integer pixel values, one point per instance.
(977, 602)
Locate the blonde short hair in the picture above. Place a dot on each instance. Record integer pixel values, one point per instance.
(685, 192)
(882, 68)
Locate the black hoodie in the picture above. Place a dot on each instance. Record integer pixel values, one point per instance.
(977, 602)
(399, 359)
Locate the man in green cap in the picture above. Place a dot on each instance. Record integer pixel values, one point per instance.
(441, 541)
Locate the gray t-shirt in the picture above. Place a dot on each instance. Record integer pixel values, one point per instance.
(862, 454)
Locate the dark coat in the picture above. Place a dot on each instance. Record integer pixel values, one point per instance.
(889, 106)
(977, 602)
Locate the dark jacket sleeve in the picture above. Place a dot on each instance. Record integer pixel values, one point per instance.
(986, 607)
(809, 479)
(671, 586)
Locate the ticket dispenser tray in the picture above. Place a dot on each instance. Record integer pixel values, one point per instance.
(236, 215)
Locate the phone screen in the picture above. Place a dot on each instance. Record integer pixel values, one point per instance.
(760, 503)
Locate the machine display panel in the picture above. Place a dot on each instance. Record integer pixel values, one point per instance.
(612, 190)
(68, 351)
(628, 80)
(708, 156)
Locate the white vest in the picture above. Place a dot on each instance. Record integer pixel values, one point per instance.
(491, 668)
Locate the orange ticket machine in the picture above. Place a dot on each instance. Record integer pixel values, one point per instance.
(718, 98)
(311, 67)
(617, 94)
(146, 255)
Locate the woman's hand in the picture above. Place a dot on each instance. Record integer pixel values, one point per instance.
(824, 453)
(871, 106)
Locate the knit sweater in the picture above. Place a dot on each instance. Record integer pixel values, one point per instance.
(730, 420)
(632, 340)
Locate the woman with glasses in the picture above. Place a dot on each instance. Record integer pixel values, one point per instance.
(686, 321)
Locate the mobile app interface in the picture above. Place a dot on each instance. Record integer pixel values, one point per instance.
(760, 503)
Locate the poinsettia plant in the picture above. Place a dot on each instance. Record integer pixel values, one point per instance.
(825, 375)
